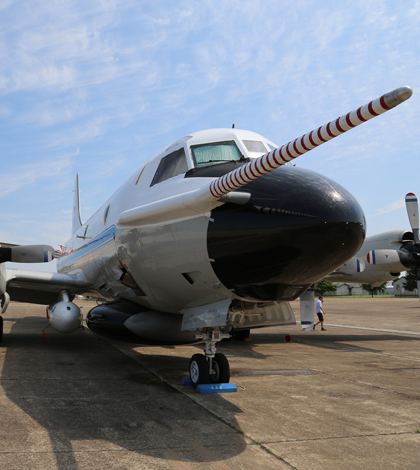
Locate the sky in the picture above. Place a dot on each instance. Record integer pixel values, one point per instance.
(97, 87)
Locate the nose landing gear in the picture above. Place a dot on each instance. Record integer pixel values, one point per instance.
(213, 367)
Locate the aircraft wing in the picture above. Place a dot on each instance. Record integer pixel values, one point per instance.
(42, 287)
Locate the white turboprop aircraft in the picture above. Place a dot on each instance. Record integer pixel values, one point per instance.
(214, 234)
(384, 256)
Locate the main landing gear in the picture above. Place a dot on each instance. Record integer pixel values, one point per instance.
(213, 367)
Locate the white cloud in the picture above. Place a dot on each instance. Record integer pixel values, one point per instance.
(31, 173)
(393, 206)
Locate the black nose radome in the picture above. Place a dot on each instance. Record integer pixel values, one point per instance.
(298, 227)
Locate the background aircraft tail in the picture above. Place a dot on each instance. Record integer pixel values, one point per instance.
(76, 220)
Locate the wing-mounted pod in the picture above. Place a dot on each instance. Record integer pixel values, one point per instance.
(209, 196)
(64, 316)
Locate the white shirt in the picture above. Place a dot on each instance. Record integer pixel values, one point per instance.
(318, 306)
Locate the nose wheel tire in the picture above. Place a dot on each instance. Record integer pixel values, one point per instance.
(199, 370)
(221, 369)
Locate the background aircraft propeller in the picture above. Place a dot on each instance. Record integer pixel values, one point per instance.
(413, 216)
(407, 258)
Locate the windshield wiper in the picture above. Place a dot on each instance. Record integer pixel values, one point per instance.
(242, 159)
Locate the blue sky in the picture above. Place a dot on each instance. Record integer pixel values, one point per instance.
(98, 87)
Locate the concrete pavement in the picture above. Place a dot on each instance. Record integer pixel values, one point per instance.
(347, 398)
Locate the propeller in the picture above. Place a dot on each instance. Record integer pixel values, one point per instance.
(413, 216)
(407, 257)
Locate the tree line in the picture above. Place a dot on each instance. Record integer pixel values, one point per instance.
(410, 284)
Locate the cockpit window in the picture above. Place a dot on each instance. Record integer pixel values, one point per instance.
(255, 148)
(213, 154)
(173, 164)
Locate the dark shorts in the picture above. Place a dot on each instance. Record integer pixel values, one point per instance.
(320, 316)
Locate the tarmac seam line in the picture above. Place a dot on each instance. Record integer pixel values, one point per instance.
(369, 328)
(357, 381)
(98, 451)
(347, 347)
(342, 437)
(371, 385)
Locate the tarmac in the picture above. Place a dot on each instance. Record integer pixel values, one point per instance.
(345, 398)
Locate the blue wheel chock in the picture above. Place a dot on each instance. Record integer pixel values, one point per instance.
(216, 388)
(211, 388)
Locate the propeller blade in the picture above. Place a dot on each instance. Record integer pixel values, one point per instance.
(413, 214)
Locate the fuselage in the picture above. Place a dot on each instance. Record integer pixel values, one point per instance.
(297, 227)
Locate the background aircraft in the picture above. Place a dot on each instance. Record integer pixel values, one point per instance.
(384, 256)
(214, 234)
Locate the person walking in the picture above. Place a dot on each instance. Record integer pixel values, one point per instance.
(320, 312)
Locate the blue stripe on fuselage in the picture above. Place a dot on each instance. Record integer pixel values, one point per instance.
(92, 245)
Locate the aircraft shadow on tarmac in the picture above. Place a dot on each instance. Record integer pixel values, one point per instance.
(88, 396)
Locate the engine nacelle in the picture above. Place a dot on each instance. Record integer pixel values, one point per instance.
(386, 241)
(387, 259)
(65, 316)
(27, 254)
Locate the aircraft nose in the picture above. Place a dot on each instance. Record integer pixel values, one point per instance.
(298, 227)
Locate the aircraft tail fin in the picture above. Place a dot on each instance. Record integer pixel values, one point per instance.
(76, 220)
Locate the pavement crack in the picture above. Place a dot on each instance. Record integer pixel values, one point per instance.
(282, 441)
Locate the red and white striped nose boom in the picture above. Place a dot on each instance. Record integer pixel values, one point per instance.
(206, 198)
(278, 157)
